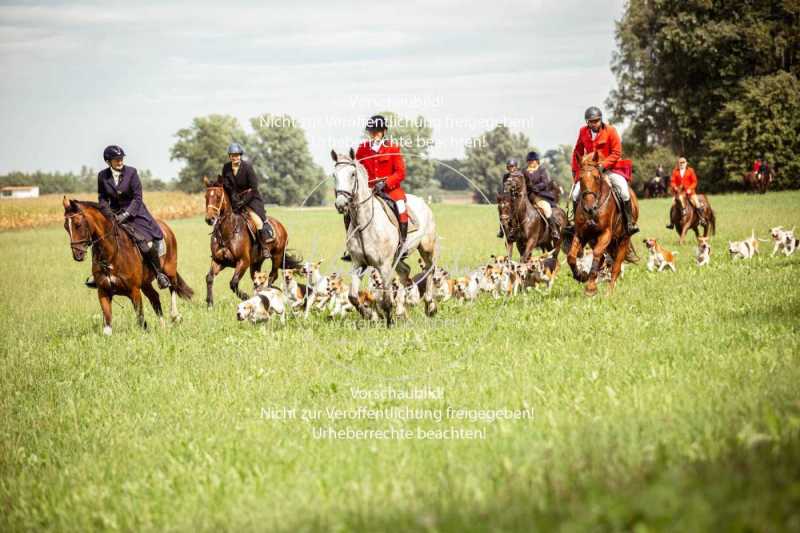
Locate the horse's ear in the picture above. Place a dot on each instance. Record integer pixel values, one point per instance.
(334, 156)
(352, 153)
(596, 157)
(66, 202)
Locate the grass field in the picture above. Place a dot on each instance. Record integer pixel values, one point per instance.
(672, 405)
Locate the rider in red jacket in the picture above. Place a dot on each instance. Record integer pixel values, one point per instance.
(386, 171)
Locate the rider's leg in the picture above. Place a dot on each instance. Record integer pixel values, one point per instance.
(402, 212)
(263, 230)
(698, 205)
(575, 194)
(149, 251)
(621, 185)
(547, 211)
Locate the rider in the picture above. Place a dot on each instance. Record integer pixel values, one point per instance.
(386, 170)
(538, 183)
(511, 167)
(120, 190)
(603, 138)
(240, 181)
(684, 183)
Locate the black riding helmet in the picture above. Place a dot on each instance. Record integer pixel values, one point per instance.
(593, 113)
(532, 156)
(512, 163)
(113, 152)
(376, 123)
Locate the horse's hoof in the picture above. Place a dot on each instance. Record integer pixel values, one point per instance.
(177, 319)
(107, 330)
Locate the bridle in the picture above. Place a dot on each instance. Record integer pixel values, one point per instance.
(80, 245)
(597, 195)
(217, 208)
(353, 193)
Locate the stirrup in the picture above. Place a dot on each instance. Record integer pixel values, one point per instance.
(346, 257)
(162, 280)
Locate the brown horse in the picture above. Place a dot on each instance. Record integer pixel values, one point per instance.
(687, 219)
(527, 226)
(117, 264)
(233, 246)
(759, 182)
(600, 223)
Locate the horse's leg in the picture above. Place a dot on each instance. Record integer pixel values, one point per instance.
(155, 301)
(105, 305)
(428, 267)
(529, 245)
(355, 283)
(509, 248)
(238, 273)
(572, 258)
(684, 231)
(136, 298)
(387, 296)
(598, 251)
(619, 258)
(212, 272)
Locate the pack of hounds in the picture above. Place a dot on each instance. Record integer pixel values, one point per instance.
(306, 290)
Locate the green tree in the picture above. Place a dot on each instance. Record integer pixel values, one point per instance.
(559, 165)
(415, 139)
(763, 121)
(279, 152)
(202, 147)
(679, 63)
(486, 158)
(450, 179)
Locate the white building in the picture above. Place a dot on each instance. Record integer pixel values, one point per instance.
(10, 193)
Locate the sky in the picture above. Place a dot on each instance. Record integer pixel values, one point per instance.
(79, 76)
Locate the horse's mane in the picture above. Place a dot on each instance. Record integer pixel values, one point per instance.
(103, 208)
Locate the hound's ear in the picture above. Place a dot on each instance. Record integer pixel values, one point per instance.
(264, 300)
(352, 153)
(334, 156)
(66, 203)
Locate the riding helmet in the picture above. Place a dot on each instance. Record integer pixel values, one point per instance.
(512, 162)
(593, 113)
(235, 148)
(376, 123)
(113, 152)
(532, 156)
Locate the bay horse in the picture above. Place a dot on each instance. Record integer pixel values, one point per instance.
(759, 182)
(528, 226)
(232, 245)
(687, 219)
(599, 222)
(372, 239)
(117, 265)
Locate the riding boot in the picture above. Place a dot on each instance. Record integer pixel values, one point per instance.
(627, 209)
(265, 237)
(90, 282)
(154, 261)
(555, 234)
(346, 254)
(401, 253)
(701, 214)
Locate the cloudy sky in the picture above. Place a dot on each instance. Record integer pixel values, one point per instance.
(78, 76)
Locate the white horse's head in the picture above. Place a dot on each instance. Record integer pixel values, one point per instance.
(346, 179)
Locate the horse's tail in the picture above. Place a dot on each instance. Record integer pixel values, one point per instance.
(567, 234)
(291, 260)
(182, 288)
(712, 221)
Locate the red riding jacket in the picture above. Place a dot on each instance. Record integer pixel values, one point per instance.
(607, 144)
(387, 164)
(688, 181)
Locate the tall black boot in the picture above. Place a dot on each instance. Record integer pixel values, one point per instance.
(401, 253)
(265, 237)
(632, 228)
(155, 262)
(346, 254)
(555, 232)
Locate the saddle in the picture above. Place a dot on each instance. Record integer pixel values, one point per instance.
(141, 242)
(251, 228)
(390, 208)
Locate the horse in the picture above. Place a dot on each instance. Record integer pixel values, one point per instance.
(654, 188)
(687, 219)
(232, 245)
(372, 238)
(117, 264)
(758, 181)
(528, 225)
(599, 222)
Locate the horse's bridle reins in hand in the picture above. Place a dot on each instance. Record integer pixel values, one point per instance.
(350, 195)
(75, 245)
(601, 201)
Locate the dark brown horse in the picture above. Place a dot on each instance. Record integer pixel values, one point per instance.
(687, 219)
(117, 264)
(600, 223)
(527, 226)
(758, 182)
(232, 245)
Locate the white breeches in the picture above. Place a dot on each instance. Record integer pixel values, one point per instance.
(618, 181)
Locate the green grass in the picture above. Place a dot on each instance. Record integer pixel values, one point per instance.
(671, 405)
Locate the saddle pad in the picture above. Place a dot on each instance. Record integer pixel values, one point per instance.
(412, 219)
(162, 247)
